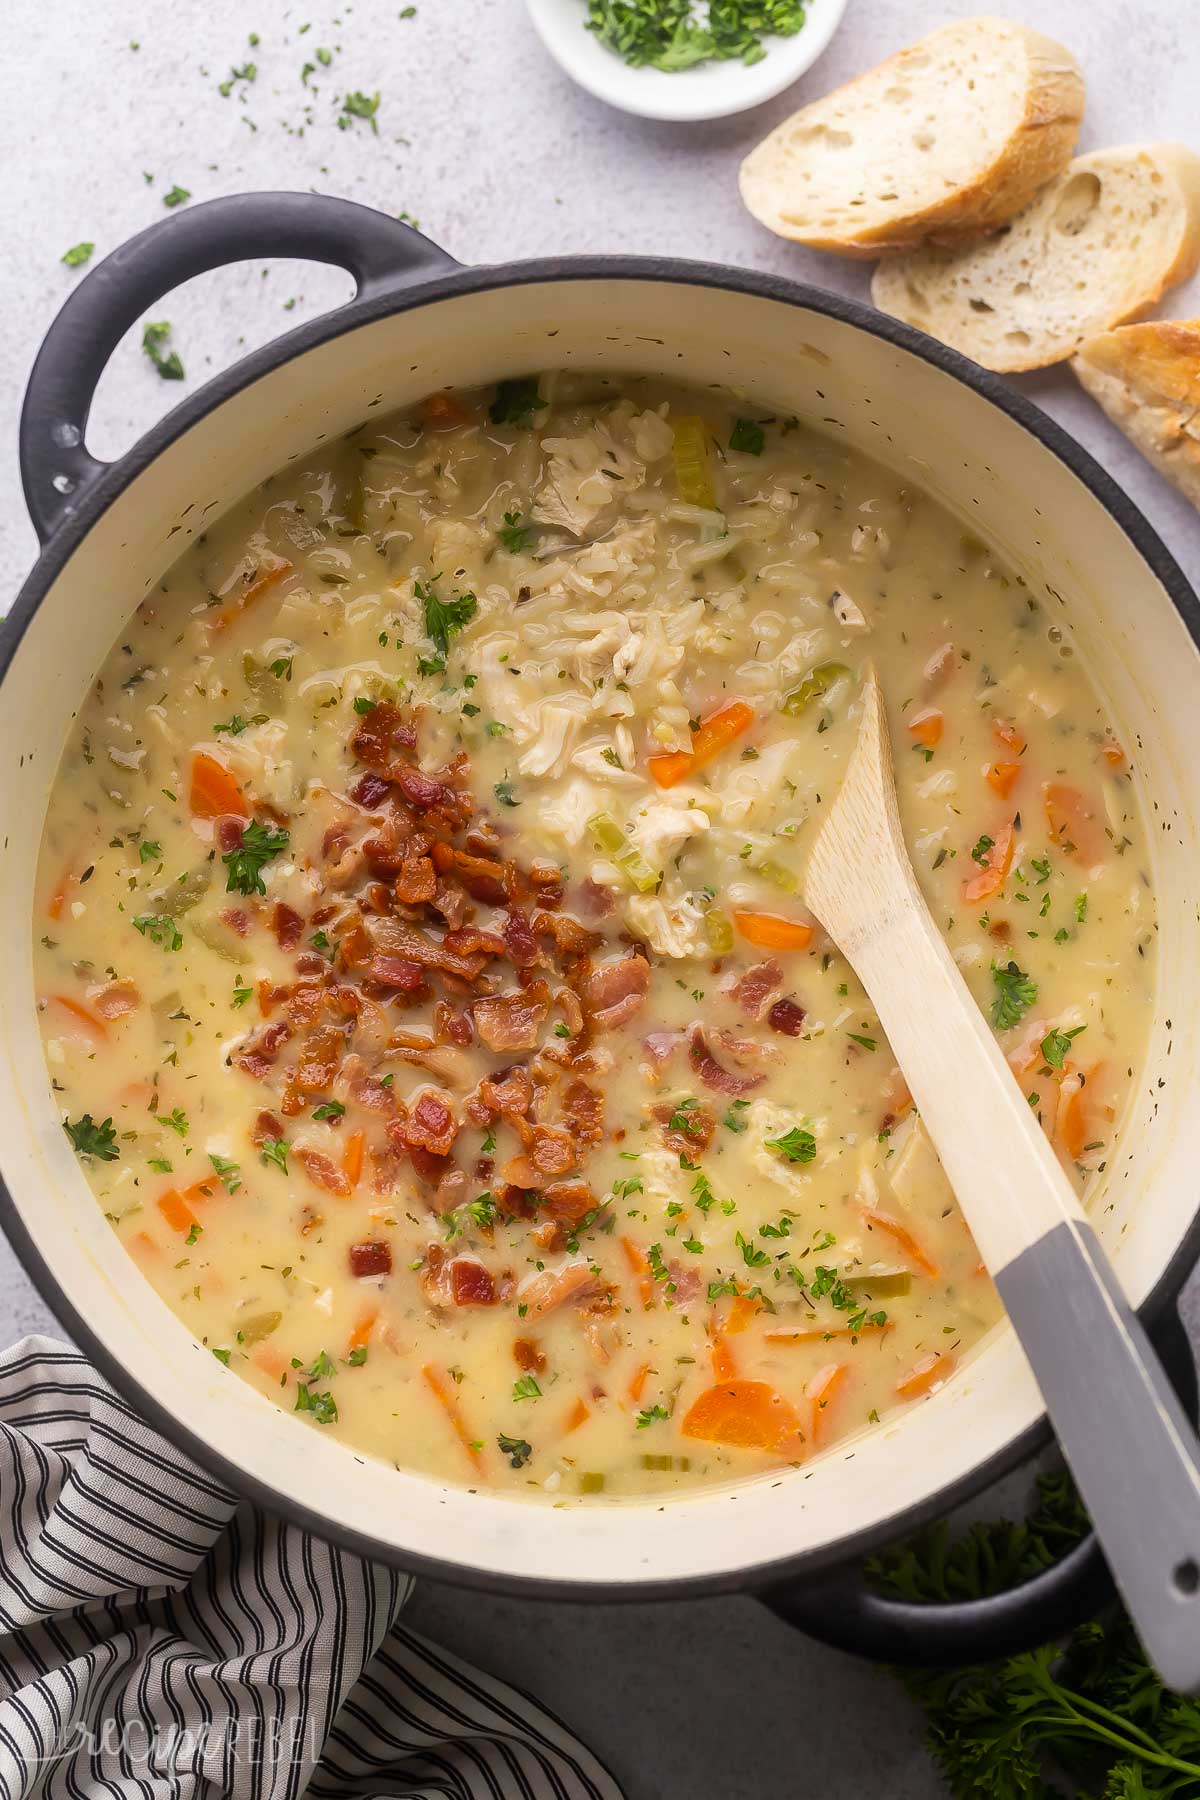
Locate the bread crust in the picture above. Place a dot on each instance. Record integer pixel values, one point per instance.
(1147, 379)
(1033, 154)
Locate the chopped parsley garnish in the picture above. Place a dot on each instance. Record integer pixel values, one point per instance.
(176, 196)
(281, 668)
(443, 617)
(517, 1450)
(1081, 901)
(231, 1179)
(795, 1146)
(515, 537)
(867, 1043)
(363, 705)
(658, 1268)
(323, 1407)
(752, 1256)
(504, 793)
(667, 35)
(177, 1121)
(161, 929)
(275, 1150)
(1056, 1045)
(1015, 994)
(526, 1388)
(683, 1118)
(516, 402)
(650, 1414)
(161, 1165)
(222, 1356)
(245, 864)
(241, 992)
(733, 1120)
(359, 106)
(235, 726)
(154, 338)
(357, 1356)
(979, 852)
(322, 1367)
(149, 850)
(77, 255)
(92, 1140)
(1041, 868)
(329, 1109)
(718, 1288)
(747, 436)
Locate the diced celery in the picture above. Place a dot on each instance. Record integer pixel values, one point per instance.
(895, 1281)
(606, 833)
(662, 1463)
(181, 896)
(591, 1483)
(608, 837)
(817, 682)
(260, 1326)
(718, 929)
(220, 939)
(779, 875)
(693, 469)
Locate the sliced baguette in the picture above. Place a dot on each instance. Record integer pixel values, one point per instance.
(947, 139)
(1147, 379)
(1100, 245)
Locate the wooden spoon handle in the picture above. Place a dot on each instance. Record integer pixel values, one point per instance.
(1122, 1430)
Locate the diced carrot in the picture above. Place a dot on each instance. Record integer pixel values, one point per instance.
(578, 1415)
(201, 1191)
(927, 725)
(1070, 1123)
(710, 737)
(176, 1211)
(237, 604)
(895, 1228)
(361, 1334)
(442, 412)
(993, 873)
(773, 932)
(1006, 733)
(1001, 777)
(740, 1314)
(924, 1375)
(83, 1015)
(214, 791)
(352, 1161)
(1113, 753)
(748, 1415)
(724, 1364)
(1073, 823)
(436, 1382)
(270, 1362)
(1026, 1049)
(142, 1244)
(639, 1382)
(635, 1257)
(58, 899)
(819, 1393)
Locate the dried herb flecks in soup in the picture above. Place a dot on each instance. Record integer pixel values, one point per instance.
(422, 972)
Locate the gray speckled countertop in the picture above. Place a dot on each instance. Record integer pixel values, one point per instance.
(489, 146)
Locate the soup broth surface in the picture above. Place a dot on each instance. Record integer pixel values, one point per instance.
(420, 959)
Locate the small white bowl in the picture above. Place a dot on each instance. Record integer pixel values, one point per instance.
(711, 90)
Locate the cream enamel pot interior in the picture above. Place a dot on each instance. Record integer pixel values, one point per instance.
(421, 322)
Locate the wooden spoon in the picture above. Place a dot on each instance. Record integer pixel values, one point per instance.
(1122, 1429)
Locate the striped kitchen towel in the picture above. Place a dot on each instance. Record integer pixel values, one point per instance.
(160, 1639)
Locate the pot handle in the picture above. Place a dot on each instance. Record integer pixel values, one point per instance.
(847, 1612)
(56, 467)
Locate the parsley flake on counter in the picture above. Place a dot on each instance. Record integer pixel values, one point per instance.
(359, 106)
(795, 1146)
(1015, 994)
(245, 864)
(77, 255)
(518, 1450)
(154, 338)
(98, 1142)
(176, 196)
(516, 402)
(515, 536)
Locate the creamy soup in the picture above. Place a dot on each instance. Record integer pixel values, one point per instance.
(423, 978)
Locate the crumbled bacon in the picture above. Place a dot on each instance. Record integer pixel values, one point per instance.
(322, 1171)
(431, 1125)
(482, 878)
(614, 991)
(754, 986)
(686, 1129)
(570, 937)
(786, 1016)
(371, 1257)
(510, 1094)
(396, 937)
(710, 1072)
(452, 1189)
(287, 925)
(511, 1022)
(583, 1110)
(594, 900)
(686, 1282)
(379, 736)
(660, 1047)
(417, 881)
(470, 1283)
(227, 831)
(428, 1165)
(237, 919)
(396, 972)
(421, 790)
(257, 1058)
(115, 998)
(568, 1202)
(265, 1126)
(469, 940)
(519, 940)
(368, 791)
(527, 1356)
